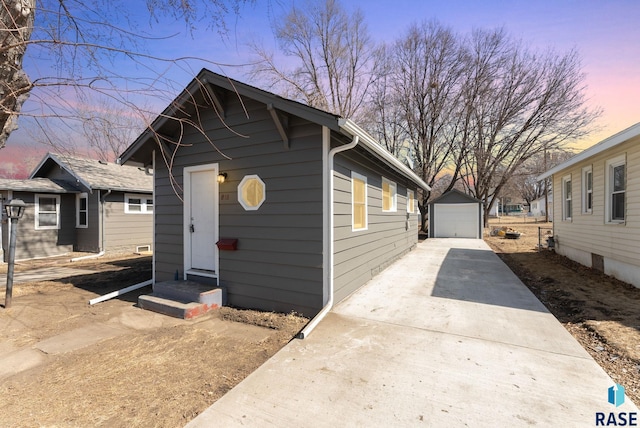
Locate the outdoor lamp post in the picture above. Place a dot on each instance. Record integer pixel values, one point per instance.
(15, 209)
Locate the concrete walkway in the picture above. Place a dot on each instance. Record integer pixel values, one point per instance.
(446, 336)
(45, 274)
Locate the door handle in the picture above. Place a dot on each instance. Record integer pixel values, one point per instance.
(192, 229)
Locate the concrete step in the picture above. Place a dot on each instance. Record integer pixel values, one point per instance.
(188, 291)
(174, 308)
(182, 299)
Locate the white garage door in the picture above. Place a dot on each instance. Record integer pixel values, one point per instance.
(456, 220)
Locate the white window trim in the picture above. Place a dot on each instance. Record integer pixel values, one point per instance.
(411, 200)
(143, 203)
(37, 212)
(393, 189)
(608, 185)
(585, 191)
(80, 196)
(565, 217)
(366, 200)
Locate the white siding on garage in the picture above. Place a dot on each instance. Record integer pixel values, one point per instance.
(456, 220)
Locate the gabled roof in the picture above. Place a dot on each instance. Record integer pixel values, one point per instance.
(211, 83)
(44, 185)
(94, 174)
(455, 196)
(606, 144)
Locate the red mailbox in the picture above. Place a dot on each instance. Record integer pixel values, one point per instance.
(227, 244)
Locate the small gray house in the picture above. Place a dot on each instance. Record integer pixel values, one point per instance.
(78, 204)
(285, 206)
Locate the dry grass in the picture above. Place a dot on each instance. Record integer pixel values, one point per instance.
(163, 372)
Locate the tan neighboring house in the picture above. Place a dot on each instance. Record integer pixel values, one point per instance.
(79, 204)
(596, 206)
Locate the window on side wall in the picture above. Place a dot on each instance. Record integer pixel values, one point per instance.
(389, 196)
(567, 204)
(82, 211)
(47, 212)
(138, 204)
(358, 201)
(411, 204)
(587, 190)
(616, 185)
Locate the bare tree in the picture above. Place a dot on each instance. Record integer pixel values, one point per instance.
(523, 104)
(333, 53)
(524, 179)
(384, 119)
(16, 26)
(424, 96)
(80, 49)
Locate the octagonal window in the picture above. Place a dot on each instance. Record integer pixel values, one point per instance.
(252, 192)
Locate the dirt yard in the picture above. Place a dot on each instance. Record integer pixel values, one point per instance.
(599, 311)
(153, 370)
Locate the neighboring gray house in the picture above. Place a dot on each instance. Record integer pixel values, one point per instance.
(304, 206)
(78, 204)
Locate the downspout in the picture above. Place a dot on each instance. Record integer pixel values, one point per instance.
(329, 266)
(101, 253)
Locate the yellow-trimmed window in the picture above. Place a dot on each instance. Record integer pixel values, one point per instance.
(389, 198)
(358, 201)
(411, 204)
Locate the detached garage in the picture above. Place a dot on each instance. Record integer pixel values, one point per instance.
(455, 215)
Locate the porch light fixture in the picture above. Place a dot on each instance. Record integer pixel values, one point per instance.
(222, 177)
(15, 209)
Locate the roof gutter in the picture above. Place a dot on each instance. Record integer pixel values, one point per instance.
(329, 238)
(359, 137)
(612, 141)
(373, 146)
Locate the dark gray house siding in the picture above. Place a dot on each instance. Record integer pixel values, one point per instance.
(278, 263)
(125, 231)
(34, 243)
(360, 255)
(87, 239)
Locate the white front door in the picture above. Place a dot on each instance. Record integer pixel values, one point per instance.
(201, 218)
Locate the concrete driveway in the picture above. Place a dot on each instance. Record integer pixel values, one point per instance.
(446, 336)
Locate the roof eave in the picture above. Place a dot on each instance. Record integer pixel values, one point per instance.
(606, 144)
(207, 77)
(55, 159)
(371, 144)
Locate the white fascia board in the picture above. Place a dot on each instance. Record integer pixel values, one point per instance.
(367, 140)
(606, 144)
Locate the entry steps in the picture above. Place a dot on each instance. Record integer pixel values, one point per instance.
(181, 299)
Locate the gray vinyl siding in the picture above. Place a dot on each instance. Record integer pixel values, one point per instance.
(360, 255)
(88, 239)
(32, 243)
(278, 263)
(125, 231)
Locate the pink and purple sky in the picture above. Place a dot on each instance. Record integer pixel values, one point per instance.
(605, 33)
